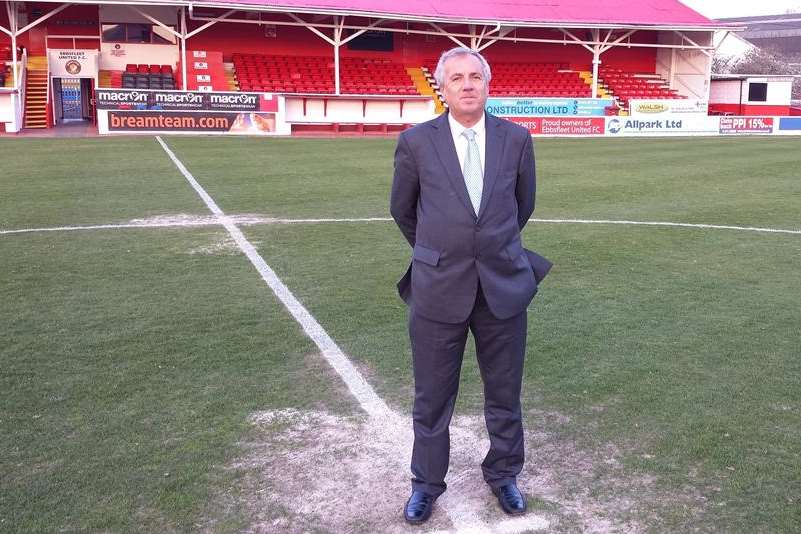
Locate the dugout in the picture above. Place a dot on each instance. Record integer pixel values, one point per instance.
(750, 94)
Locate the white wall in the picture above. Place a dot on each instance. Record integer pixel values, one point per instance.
(114, 56)
(779, 90)
(686, 70)
(730, 92)
(6, 107)
(349, 110)
(11, 111)
(726, 92)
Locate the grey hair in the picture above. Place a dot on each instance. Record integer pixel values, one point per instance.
(439, 73)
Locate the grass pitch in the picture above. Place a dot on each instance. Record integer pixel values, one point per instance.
(133, 357)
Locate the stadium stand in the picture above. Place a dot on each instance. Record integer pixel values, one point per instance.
(533, 79)
(110, 78)
(146, 77)
(312, 74)
(375, 76)
(234, 55)
(624, 86)
(279, 74)
(205, 71)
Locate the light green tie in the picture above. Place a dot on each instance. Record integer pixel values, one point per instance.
(473, 171)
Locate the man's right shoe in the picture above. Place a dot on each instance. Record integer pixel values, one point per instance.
(418, 508)
(511, 499)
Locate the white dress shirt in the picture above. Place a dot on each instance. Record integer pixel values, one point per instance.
(460, 141)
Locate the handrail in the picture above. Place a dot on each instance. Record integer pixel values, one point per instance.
(22, 75)
(22, 67)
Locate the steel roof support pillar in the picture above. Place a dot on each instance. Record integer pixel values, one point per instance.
(13, 22)
(596, 61)
(182, 37)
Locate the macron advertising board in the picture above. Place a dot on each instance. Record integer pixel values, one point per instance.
(165, 100)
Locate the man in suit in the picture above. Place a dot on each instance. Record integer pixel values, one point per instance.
(463, 189)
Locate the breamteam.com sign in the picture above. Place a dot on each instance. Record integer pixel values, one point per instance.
(191, 121)
(675, 125)
(547, 107)
(155, 100)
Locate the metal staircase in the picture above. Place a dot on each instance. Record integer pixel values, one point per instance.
(36, 93)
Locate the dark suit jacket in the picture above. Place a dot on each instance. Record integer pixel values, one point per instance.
(452, 247)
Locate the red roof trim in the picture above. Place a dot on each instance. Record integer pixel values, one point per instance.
(664, 13)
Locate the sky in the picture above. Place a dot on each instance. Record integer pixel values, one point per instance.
(717, 9)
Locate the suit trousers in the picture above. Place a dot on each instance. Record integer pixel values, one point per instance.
(437, 353)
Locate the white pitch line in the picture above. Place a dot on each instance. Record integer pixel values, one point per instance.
(108, 227)
(670, 224)
(182, 224)
(346, 220)
(358, 386)
(388, 219)
(364, 393)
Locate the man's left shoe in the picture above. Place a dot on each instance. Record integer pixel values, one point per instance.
(512, 500)
(418, 508)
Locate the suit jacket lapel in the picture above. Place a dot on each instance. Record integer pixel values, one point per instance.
(493, 152)
(442, 139)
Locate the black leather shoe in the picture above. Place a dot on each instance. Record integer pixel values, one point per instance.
(418, 507)
(512, 500)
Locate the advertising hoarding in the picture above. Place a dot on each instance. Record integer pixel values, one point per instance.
(547, 107)
(651, 108)
(580, 126)
(163, 100)
(667, 125)
(249, 123)
(746, 125)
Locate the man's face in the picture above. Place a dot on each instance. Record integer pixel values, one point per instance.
(465, 89)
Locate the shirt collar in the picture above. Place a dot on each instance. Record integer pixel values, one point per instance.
(457, 128)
